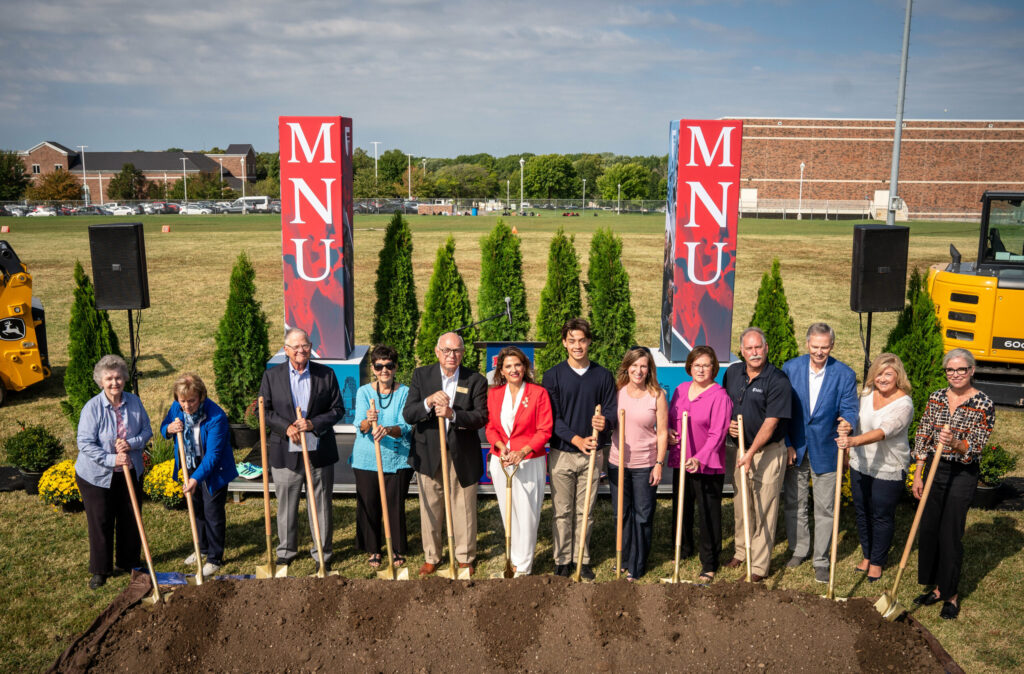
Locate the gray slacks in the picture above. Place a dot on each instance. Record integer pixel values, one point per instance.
(823, 491)
(288, 486)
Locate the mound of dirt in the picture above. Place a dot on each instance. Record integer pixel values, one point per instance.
(531, 624)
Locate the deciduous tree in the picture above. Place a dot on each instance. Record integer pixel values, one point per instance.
(13, 179)
(634, 178)
(57, 186)
(549, 176)
(130, 183)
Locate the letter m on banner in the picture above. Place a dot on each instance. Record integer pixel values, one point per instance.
(700, 236)
(316, 230)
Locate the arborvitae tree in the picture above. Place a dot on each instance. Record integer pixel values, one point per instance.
(917, 340)
(396, 314)
(611, 316)
(90, 337)
(243, 349)
(501, 276)
(560, 300)
(447, 308)
(771, 314)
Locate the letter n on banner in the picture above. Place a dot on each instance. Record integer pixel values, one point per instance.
(316, 230)
(700, 236)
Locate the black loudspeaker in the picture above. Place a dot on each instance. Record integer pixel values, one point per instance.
(119, 266)
(879, 278)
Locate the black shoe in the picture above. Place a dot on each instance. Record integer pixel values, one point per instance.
(281, 561)
(586, 573)
(927, 599)
(97, 581)
(949, 611)
(562, 570)
(316, 566)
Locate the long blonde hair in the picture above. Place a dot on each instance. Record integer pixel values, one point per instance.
(632, 356)
(879, 364)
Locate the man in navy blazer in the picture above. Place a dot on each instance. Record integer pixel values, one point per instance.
(446, 390)
(824, 403)
(300, 382)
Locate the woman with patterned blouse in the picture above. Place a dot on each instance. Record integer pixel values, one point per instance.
(970, 415)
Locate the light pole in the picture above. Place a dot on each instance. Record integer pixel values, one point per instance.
(85, 183)
(800, 199)
(424, 161)
(584, 211)
(220, 160)
(522, 163)
(508, 188)
(184, 179)
(410, 176)
(245, 177)
(618, 208)
(375, 143)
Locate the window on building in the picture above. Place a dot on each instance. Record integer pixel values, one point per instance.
(35, 168)
(58, 167)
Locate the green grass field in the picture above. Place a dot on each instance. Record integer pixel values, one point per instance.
(45, 562)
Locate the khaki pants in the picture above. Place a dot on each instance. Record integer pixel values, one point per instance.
(765, 485)
(568, 495)
(432, 519)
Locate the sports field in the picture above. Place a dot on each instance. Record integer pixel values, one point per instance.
(44, 565)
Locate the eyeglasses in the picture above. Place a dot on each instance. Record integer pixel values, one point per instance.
(701, 366)
(298, 347)
(445, 351)
(380, 366)
(957, 370)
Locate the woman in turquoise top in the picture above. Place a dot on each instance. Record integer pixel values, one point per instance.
(394, 434)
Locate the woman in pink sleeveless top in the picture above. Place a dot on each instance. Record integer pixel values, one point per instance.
(646, 431)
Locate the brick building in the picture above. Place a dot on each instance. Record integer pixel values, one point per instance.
(95, 169)
(944, 165)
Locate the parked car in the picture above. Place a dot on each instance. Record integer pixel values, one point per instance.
(275, 206)
(43, 212)
(121, 210)
(90, 210)
(15, 210)
(194, 209)
(249, 205)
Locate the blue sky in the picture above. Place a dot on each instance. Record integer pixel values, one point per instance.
(445, 78)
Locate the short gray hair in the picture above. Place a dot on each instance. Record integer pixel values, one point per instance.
(462, 342)
(106, 364)
(743, 335)
(959, 353)
(296, 331)
(822, 329)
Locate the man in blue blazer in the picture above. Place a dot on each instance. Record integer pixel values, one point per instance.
(824, 403)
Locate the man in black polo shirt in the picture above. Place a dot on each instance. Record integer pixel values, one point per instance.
(762, 394)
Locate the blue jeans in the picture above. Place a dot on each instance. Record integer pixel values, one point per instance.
(637, 516)
(875, 502)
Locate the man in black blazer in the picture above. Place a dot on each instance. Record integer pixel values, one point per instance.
(459, 395)
(314, 388)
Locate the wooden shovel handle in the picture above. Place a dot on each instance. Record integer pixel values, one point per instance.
(266, 467)
(936, 457)
(188, 501)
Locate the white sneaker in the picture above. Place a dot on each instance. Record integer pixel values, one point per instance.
(190, 560)
(210, 569)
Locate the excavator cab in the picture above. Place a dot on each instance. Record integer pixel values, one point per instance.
(980, 304)
(23, 353)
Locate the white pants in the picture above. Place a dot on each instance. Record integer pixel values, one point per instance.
(527, 499)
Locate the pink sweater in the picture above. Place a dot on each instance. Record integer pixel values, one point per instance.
(708, 426)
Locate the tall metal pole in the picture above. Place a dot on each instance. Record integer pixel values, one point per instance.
(375, 143)
(522, 163)
(508, 192)
(584, 211)
(800, 198)
(85, 183)
(184, 179)
(618, 207)
(894, 199)
(410, 176)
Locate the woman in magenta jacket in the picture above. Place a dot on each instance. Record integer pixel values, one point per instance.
(518, 427)
(709, 409)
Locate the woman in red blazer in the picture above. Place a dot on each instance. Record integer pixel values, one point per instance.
(518, 427)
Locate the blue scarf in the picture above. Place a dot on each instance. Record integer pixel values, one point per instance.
(191, 421)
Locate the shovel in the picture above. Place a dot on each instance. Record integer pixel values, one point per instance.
(509, 572)
(887, 604)
(586, 506)
(267, 570)
(622, 486)
(831, 593)
(743, 496)
(311, 501)
(450, 572)
(156, 597)
(389, 573)
(685, 422)
(191, 512)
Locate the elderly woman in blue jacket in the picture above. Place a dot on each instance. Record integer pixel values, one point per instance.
(210, 461)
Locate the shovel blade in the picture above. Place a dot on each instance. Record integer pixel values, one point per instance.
(154, 599)
(448, 573)
(391, 573)
(889, 607)
(465, 574)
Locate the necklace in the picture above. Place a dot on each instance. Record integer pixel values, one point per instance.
(385, 401)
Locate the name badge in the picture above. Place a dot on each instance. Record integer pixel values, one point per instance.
(312, 442)
(461, 389)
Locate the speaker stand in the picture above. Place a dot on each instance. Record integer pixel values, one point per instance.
(866, 341)
(133, 378)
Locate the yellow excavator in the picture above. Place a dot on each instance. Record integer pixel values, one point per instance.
(23, 355)
(980, 304)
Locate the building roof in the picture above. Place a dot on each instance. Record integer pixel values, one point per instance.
(145, 161)
(55, 145)
(239, 148)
